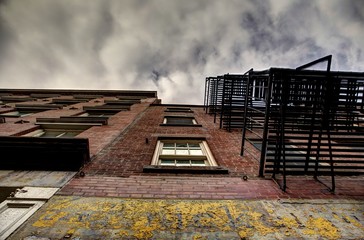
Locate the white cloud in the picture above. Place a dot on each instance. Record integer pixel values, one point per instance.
(169, 45)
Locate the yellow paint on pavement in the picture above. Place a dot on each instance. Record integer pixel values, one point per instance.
(114, 218)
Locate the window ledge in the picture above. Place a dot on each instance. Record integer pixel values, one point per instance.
(195, 170)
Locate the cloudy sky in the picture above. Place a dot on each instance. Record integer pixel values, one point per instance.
(170, 45)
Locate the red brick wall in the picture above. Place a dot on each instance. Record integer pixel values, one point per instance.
(130, 152)
(99, 137)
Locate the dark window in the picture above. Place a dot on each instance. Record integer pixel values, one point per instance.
(179, 121)
(178, 109)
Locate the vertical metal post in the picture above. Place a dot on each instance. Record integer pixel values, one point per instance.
(222, 110)
(216, 87)
(266, 125)
(247, 96)
(205, 102)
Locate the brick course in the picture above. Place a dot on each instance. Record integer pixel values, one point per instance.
(180, 187)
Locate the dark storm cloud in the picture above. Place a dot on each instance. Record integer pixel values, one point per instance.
(169, 45)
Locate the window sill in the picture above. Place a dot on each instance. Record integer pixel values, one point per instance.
(194, 170)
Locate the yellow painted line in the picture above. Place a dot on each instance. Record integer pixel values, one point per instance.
(145, 219)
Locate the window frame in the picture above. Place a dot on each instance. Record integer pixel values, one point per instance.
(207, 154)
(179, 109)
(16, 114)
(24, 110)
(96, 114)
(193, 123)
(41, 132)
(62, 128)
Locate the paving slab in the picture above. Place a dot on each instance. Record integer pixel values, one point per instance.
(35, 178)
(34, 193)
(74, 217)
(55, 179)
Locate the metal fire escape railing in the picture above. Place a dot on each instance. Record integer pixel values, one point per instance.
(255, 110)
(303, 122)
(213, 95)
(313, 124)
(224, 97)
(234, 91)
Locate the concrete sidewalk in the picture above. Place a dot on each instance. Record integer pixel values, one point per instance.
(73, 217)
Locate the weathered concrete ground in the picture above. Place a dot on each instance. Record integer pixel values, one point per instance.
(72, 217)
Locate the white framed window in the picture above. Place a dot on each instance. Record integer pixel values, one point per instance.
(183, 153)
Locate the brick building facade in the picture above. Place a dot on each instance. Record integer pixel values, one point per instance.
(132, 147)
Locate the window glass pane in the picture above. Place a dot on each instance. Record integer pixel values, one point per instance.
(198, 163)
(58, 134)
(181, 121)
(181, 152)
(51, 134)
(196, 152)
(168, 152)
(70, 134)
(168, 162)
(181, 145)
(168, 145)
(183, 163)
(13, 113)
(39, 134)
(24, 114)
(184, 153)
(194, 145)
(98, 114)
